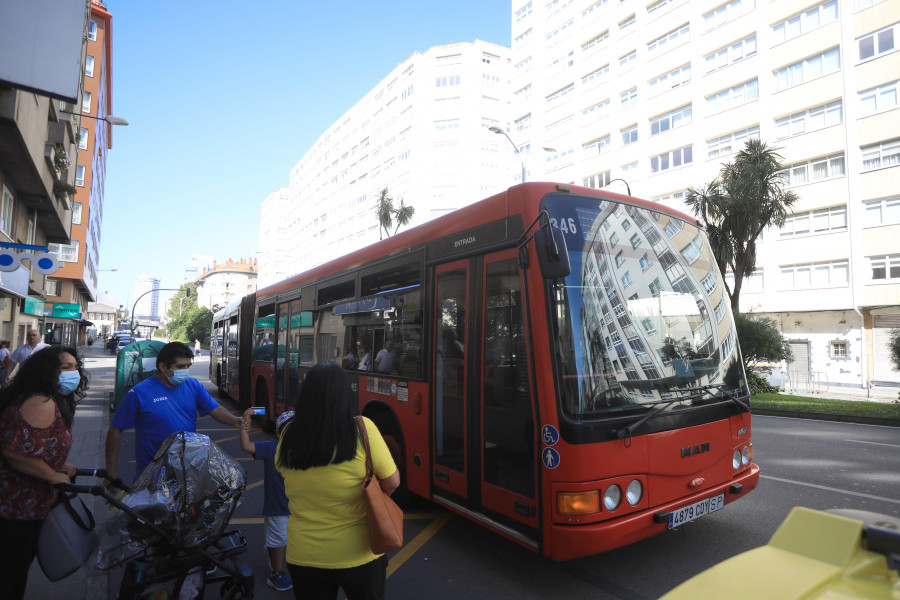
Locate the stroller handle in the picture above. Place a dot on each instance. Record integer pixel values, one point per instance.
(96, 489)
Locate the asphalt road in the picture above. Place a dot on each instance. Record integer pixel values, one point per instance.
(804, 463)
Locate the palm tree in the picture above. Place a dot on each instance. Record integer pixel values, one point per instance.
(385, 213)
(403, 215)
(746, 198)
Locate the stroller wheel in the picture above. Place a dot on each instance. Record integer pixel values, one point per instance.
(233, 590)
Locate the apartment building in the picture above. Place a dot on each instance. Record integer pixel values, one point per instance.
(274, 238)
(661, 94)
(415, 133)
(146, 294)
(221, 284)
(74, 285)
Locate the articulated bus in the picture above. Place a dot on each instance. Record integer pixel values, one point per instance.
(556, 363)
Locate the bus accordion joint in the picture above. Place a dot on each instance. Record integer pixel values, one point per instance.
(549, 247)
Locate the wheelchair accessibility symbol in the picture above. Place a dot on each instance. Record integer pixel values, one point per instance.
(550, 458)
(549, 435)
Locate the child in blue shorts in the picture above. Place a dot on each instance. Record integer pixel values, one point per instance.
(275, 503)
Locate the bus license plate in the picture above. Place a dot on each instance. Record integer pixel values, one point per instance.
(696, 510)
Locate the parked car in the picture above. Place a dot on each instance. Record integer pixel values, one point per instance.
(123, 341)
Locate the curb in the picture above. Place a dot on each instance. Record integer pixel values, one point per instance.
(825, 417)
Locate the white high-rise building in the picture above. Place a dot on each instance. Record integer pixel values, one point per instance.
(421, 132)
(661, 93)
(275, 252)
(146, 307)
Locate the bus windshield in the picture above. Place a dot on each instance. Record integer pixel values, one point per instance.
(643, 319)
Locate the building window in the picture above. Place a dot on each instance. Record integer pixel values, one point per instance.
(655, 287)
(79, 175)
(861, 4)
(627, 58)
(635, 240)
(813, 119)
(446, 80)
(879, 156)
(6, 212)
(739, 94)
(595, 6)
(560, 29)
(673, 78)
(523, 36)
(595, 74)
(523, 12)
(878, 99)
(629, 167)
(89, 66)
(523, 123)
(595, 40)
(819, 169)
(675, 158)
(76, 213)
(885, 268)
(730, 54)
(601, 108)
(691, 252)
(65, 252)
(710, 282)
(808, 69)
(805, 22)
(92, 31)
(727, 12)
(628, 22)
(630, 135)
(626, 279)
(524, 63)
(883, 212)
(822, 220)
(86, 102)
(815, 275)
(673, 196)
(645, 261)
(82, 138)
(629, 97)
(670, 120)
(876, 44)
(523, 93)
(662, 41)
(51, 287)
(596, 181)
(601, 143)
(727, 144)
(560, 93)
(838, 349)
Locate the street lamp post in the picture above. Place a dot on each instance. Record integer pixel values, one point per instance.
(187, 293)
(111, 119)
(496, 129)
(627, 187)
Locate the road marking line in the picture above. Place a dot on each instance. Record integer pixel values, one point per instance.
(831, 489)
(247, 521)
(874, 443)
(228, 439)
(254, 485)
(417, 542)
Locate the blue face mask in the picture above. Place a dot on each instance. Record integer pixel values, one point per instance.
(68, 381)
(179, 376)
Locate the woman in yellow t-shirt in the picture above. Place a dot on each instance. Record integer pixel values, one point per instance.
(323, 462)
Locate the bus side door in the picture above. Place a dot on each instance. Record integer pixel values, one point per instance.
(451, 302)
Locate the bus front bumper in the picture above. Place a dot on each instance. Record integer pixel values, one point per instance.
(575, 541)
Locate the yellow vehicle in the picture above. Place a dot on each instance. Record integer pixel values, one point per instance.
(814, 555)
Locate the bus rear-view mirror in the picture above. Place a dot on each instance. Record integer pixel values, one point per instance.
(551, 251)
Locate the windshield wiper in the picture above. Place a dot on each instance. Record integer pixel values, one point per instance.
(721, 387)
(690, 393)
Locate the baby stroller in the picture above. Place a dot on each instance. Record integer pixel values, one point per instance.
(169, 529)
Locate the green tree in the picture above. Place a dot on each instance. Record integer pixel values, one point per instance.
(895, 348)
(387, 214)
(183, 305)
(760, 340)
(199, 325)
(735, 208)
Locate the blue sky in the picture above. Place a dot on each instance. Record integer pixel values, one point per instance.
(225, 97)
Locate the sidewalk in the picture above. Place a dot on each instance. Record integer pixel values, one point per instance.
(88, 451)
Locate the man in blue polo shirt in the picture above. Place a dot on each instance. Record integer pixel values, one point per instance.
(161, 405)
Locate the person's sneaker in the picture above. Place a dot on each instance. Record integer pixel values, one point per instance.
(279, 580)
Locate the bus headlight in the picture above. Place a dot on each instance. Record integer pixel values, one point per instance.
(633, 492)
(736, 460)
(612, 497)
(746, 455)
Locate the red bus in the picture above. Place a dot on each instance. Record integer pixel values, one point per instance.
(557, 363)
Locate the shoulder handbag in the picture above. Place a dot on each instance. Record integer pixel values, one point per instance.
(384, 516)
(67, 538)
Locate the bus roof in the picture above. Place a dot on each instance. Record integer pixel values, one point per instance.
(522, 199)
